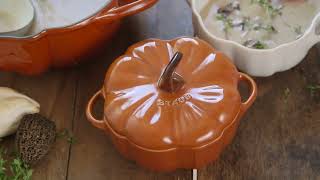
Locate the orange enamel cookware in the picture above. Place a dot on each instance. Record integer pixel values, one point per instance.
(172, 104)
(63, 46)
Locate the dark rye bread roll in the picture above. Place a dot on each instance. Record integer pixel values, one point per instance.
(34, 138)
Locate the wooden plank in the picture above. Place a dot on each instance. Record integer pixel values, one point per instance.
(94, 156)
(279, 137)
(55, 93)
(6, 79)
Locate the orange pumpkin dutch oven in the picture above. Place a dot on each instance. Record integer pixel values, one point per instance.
(172, 104)
(62, 46)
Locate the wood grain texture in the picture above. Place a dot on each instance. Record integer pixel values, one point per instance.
(278, 138)
(54, 91)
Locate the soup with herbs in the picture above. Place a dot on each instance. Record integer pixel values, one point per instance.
(259, 24)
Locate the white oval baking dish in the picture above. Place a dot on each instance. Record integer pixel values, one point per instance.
(256, 62)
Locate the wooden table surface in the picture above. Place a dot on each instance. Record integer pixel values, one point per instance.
(279, 138)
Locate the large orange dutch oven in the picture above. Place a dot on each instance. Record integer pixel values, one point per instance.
(172, 104)
(61, 46)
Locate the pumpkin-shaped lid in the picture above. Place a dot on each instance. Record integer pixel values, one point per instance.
(169, 94)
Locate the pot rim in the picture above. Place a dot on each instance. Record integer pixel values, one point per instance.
(83, 22)
(315, 22)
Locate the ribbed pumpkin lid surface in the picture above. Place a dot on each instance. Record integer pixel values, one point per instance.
(169, 94)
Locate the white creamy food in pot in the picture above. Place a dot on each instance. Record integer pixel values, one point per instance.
(61, 13)
(14, 15)
(7, 22)
(259, 24)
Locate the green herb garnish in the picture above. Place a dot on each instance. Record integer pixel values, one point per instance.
(72, 140)
(270, 9)
(255, 44)
(3, 169)
(63, 133)
(227, 22)
(66, 134)
(19, 170)
(269, 28)
(298, 30)
(313, 89)
(259, 45)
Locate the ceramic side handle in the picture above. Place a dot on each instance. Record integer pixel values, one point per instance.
(131, 8)
(253, 92)
(97, 123)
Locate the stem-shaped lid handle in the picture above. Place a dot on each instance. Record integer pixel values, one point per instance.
(169, 80)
